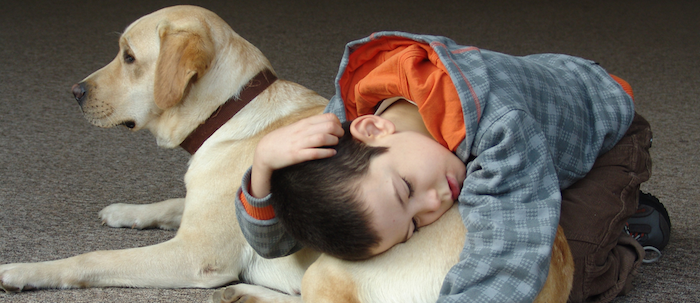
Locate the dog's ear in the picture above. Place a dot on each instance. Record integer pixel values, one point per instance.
(185, 55)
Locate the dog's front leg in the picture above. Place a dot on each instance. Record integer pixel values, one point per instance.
(172, 264)
(164, 215)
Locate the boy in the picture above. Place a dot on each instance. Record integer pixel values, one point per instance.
(537, 135)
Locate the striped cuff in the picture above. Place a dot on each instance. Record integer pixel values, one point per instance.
(260, 213)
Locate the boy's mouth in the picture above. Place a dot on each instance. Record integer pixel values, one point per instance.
(454, 187)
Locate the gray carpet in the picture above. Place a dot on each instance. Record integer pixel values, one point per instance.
(57, 171)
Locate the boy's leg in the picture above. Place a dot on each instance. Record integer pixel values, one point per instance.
(594, 212)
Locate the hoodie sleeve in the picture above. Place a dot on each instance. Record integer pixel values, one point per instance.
(510, 205)
(260, 227)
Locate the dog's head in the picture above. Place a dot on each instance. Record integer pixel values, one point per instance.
(174, 68)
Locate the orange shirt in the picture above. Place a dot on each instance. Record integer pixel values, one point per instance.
(404, 68)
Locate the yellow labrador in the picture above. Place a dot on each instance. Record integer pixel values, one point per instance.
(175, 69)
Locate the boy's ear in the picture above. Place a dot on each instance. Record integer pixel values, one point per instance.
(368, 128)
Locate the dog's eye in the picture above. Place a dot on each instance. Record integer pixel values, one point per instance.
(128, 58)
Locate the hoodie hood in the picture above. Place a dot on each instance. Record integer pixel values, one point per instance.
(419, 68)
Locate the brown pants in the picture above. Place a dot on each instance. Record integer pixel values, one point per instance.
(594, 212)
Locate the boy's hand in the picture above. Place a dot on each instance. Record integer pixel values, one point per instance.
(293, 144)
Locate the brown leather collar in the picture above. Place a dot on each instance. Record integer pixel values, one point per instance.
(226, 111)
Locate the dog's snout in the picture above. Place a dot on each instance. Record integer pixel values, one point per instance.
(79, 92)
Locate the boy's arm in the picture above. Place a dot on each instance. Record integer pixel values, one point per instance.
(510, 205)
(259, 226)
(289, 145)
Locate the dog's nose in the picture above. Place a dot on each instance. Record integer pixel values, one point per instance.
(79, 92)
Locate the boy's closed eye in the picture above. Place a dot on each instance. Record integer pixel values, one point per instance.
(410, 191)
(415, 225)
(409, 186)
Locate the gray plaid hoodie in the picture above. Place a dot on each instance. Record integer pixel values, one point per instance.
(534, 126)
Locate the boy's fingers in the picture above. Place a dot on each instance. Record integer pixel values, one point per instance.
(317, 119)
(337, 130)
(333, 127)
(322, 139)
(327, 117)
(317, 153)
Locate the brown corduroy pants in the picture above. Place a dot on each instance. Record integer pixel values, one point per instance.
(594, 212)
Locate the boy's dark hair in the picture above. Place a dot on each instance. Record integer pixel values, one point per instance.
(317, 201)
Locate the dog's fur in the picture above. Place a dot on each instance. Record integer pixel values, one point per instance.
(186, 63)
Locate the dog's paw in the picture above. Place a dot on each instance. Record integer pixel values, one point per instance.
(12, 278)
(140, 216)
(248, 293)
(230, 295)
(123, 215)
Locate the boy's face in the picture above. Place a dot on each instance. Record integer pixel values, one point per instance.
(411, 185)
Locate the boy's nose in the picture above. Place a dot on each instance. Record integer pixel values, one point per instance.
(431, 210)
(432, 201)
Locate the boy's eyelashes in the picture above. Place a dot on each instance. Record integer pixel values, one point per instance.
(415, 225)
(409, 186)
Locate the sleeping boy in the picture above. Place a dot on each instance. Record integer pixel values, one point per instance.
(517, 142)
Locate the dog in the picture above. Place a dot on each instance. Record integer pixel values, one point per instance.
(185, 75)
